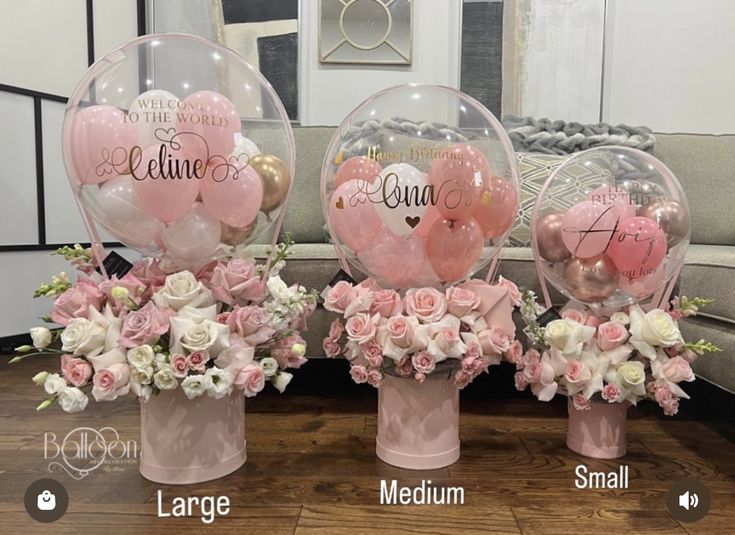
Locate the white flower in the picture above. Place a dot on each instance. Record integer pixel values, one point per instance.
(269, 365)
(654, 328)
(40, 378)
(193, 386)
(141, 356)
(278, 289)
(280, 381)
(119, 292)
(41, 337)
(54, 384)
(161, 359)
(632, 377)
(142, 391)
(141, 375)
(620, 317)
(183, 289)
(198, 330)
(165, 379)
(218, 382)
(83, 337)
(568, 336)
(72, 399)
(298, 349)
(105, 360)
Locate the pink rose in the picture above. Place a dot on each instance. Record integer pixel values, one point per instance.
(446, 339)
(360, 328)
(577, 373)
(149, 273)
(144, 326)
(611, 335)
(135, 287)
(331, 348)
(427, 304)
(515, 352)
(580, 402)
(420, 377)
(250, 322)
(513, 291)
(179, 365)
(677, 370)
(76, 371)
(593, 321)
(573, 314)
(532, 372)
(423, 362)
(374, 377)
(237, 282)
(462, 379)
(494, 340)
(520, 381)
(611, 393)
(461, 301)
(197, 360)
(405, 367)
(75, 302)
(284, 353)
(336, 330)
(339, 297)
(400, 331)
(387, 303)
(359, 374)
(250, 379)
(111, 382)
(373, 353)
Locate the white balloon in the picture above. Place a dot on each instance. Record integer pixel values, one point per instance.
(153, 109)
(193, 236)
(244, 147)
(402, 197)
(123, 216)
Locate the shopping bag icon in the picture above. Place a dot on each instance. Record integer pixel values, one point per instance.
(46, 501)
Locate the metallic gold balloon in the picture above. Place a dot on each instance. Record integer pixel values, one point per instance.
(671, 217)
(236, 236)
(591, 280)
(548, 238)
(276, 180)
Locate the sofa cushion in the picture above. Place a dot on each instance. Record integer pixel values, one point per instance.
(717, 368)
(709, 272)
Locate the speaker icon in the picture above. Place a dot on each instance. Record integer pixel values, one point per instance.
(687, 500)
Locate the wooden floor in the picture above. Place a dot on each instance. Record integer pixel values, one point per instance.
(312, 469)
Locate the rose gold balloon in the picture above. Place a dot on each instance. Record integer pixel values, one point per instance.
(276, 180)
(236, 236)
(591, 280)
(548, 238)
(671, 217)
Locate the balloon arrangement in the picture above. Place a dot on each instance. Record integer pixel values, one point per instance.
(155, 151)
(415, 201)
(610, 227)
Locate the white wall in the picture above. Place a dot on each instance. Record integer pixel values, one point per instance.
(670, 65)
(328, 93)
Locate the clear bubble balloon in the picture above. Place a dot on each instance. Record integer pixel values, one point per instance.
(419, 186)
(160, 141)
(610, 227)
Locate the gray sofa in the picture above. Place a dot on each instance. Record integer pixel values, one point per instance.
(704, 164)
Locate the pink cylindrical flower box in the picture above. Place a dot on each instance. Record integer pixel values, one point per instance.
(186, 441)
(598, 432)
(418, 424)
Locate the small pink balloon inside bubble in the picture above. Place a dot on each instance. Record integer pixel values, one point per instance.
(352, 215)
(357, 168)
(588, 228)
(458, 177)
(395, 261)
(232, 192)
(617, 196)
(638, 248)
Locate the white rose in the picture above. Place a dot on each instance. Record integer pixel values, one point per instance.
(218, 382)
(165, 379)
(568, 336)
(620, 317)
(197, 330)
(54, 384)
(83, 337)
(281, 380)
(142, 391)
(182, 289)
(72, 399)
(632, 377)
(193, 386)
(141, 375)
(41, 337)
(659, 329)
(141, 356)
(270, 366)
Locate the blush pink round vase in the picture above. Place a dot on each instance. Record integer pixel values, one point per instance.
(418, 424)
(598, 432)
(186, 441)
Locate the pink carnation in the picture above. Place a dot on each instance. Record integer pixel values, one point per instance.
(359, 374)
(667, 400)
(373, 353)
(405, 367)
(580, 402)
(611, 393)
(420, 377)
(462, 379)
(374, 377)
(515, 352)
(423, 362)
(521, 382)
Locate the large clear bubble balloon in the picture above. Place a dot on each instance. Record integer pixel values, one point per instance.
(179, 148)
(610, 226)
(419, 186)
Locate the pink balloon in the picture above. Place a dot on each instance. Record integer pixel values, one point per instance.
(193, 236)
(638, 248)
(232, 192)
(459, 176)
(100, 142)
(166, 181)
(498, 208)
(207, 123)
(453, 247)
(587, 228)
(394, 261)
(427, 221)
(357, 168)
(352, 216)
(613, 195)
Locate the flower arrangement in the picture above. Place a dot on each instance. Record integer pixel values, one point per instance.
(229, 326)
(457, 333)
(625, 357)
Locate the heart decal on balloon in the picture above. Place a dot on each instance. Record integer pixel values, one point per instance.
(340, 204)
(413, 221)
